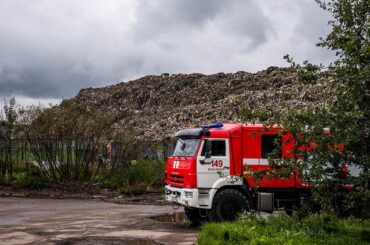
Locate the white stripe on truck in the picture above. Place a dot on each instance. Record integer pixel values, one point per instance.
(255, 161)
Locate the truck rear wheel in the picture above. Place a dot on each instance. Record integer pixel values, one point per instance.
(228, 204)
(193, 214)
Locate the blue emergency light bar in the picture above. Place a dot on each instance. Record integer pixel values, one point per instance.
(212, 125)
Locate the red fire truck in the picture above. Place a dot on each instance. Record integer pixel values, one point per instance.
(207, 172)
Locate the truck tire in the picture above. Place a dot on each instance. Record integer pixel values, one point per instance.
(228, 204)
(193, 214)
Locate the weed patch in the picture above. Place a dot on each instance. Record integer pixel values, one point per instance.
(315, 229)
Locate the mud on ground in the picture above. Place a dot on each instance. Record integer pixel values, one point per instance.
(84, 190)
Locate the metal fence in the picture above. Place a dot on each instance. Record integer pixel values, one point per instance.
(23, 152)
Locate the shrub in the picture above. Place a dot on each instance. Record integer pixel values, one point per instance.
(67, 141)
(32, 180)
(138, 178)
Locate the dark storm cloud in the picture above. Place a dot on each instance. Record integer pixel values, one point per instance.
(51, 49)
(35, 82)
(184, 19)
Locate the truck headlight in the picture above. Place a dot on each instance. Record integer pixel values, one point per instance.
(188, 194)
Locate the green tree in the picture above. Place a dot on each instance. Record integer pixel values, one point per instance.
(344, 111)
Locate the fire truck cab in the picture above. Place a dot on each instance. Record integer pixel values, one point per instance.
(207, 172)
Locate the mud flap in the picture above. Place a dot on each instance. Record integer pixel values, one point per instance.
(265, 201)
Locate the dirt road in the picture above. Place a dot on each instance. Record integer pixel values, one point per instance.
(68, 221)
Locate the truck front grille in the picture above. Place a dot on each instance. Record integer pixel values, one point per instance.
(177, 179)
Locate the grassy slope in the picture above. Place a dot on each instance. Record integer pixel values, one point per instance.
(316, 229)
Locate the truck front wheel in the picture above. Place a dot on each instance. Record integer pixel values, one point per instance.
(228, 204)
(194, 215)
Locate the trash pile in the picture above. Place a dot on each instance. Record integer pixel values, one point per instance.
(154, 107)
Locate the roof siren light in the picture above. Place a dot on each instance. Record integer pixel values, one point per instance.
(212, 125)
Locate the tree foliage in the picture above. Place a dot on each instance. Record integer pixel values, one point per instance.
(10, 113)
(344, 112)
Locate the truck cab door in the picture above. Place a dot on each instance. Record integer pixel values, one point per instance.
(214, 166)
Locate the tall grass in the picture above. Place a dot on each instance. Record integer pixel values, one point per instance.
(315, 229)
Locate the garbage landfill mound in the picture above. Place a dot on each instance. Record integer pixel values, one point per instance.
(154, 107)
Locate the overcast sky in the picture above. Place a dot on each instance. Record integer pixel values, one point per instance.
(49, 49)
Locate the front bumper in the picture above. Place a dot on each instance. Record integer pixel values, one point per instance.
(182, 196)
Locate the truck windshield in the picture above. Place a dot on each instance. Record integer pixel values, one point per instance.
(186, 147)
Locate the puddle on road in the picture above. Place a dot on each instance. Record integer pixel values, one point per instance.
(21, 217)
(176, 218)
(107, 240)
